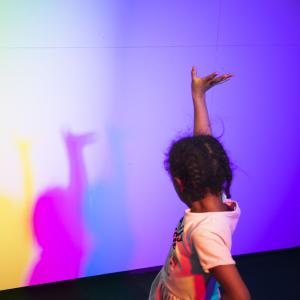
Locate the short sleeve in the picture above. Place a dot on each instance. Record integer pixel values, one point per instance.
(211, 249)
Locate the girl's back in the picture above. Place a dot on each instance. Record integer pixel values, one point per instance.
(201, 241)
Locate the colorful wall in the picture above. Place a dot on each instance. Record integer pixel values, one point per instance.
(93, 92)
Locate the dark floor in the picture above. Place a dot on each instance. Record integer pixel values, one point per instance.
(269, 275)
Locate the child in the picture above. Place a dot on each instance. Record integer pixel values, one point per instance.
(200, 253)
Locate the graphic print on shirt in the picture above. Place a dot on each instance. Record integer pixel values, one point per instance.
(177, 237)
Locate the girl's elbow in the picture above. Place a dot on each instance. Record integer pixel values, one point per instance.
(245, 295)
(240, 295)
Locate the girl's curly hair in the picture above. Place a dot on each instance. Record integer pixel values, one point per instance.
(202, 164)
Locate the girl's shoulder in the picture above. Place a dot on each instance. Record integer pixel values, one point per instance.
(221, 223)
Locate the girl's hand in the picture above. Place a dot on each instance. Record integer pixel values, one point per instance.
(200, 85)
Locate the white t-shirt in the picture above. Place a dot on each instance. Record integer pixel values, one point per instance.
(201, 241)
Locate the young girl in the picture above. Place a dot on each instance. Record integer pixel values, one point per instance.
(199, 259)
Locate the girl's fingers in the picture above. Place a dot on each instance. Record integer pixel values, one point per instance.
(194, 72)
(221, 79)
(210, 76)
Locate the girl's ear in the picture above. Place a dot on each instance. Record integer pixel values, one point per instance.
(178, 185)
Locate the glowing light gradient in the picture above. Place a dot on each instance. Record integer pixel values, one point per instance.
(91, 96)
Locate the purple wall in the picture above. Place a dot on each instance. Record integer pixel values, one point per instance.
(121, 70)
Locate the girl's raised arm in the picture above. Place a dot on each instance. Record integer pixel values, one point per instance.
(200, 85)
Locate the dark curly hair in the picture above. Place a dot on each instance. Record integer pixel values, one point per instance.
(202, 165)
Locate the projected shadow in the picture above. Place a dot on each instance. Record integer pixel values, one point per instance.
(106, 215)
(15, 233)
(58, 223)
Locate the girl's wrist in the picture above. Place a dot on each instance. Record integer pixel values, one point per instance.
(199, 98)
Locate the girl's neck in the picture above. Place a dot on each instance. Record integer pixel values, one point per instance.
(210, 203)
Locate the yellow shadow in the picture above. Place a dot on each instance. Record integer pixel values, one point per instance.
(15, 229)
